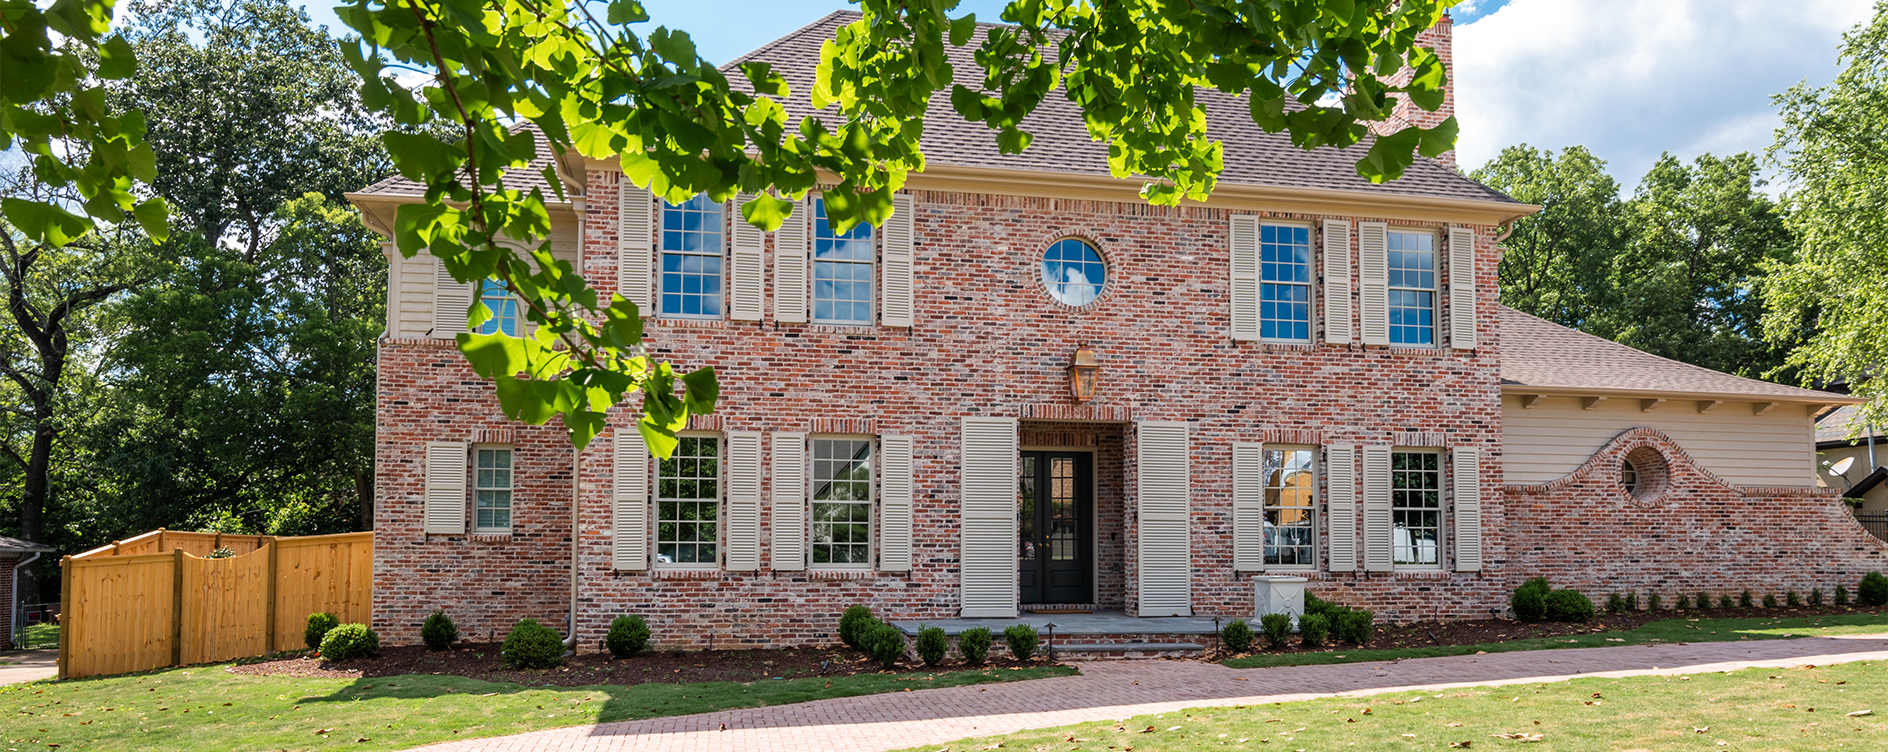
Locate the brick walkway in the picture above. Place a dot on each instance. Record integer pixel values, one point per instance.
(1118, 689)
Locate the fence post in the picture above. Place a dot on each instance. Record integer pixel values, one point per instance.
(269, 592)
(177, 609)
(65, 605)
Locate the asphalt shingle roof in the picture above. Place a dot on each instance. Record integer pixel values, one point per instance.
(20, 544)
(1835, 426)
(532, 176)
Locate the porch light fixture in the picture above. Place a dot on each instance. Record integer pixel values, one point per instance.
(1084, 371)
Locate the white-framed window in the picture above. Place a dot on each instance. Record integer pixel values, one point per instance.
(1412, 267)
(492, 489)
(503, 306)
(842, 271)
(842, 501)
(1285, 282)
(688, 503)
(1291, 490)
(1073, 272)
(1416, 508)
(692, 259)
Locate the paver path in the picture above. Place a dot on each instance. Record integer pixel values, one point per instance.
(28, 665)
(1118, 689)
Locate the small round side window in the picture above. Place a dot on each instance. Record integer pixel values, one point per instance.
(1073, 272)
(1629, 476)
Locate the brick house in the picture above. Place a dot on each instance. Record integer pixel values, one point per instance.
(1309, 374)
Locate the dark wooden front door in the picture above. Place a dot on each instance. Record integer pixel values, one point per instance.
(1055, 546)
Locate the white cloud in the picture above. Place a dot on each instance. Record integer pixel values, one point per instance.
(1632, 79)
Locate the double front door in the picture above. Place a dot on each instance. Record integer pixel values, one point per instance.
(1055, 524)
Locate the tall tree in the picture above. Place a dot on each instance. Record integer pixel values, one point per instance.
(1555, 262)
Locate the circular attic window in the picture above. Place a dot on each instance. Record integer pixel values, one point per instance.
(1629, 477)
(1073, 272)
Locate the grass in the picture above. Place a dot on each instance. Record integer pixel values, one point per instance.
(1771, 709)
(1681, 629)
(40, 635)
(207, 708)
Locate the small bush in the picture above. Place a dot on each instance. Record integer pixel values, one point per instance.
(1632, 602)
(1615, 604)
(1023, 641)
(1569, 605)
(851, 625)
(1652, 602)
(1744, 600)
(349, 641)
(1842, 595)
(1314, 629)
(1704, 601)
(1684, 602)
(1277, 629)
(1236, 637)
(1316, 605)
(1873, 591)
(438, 632)
(628, 636)
(532, 645)
(885, 642)
(1815, 596)
(318, 626)
(1356, 626)
(1769, 600)
(932, 645)
(974, 643)
(1530, 600)
(1791, 600)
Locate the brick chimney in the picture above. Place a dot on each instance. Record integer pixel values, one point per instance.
(1438, 38)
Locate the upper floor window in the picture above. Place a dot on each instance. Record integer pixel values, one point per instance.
(503, 306)
(1290, 508)
(691, 258)
(842, 501)
(1416, 508)
(842, 271)
(1285, 282)
(1073, 272)
(688, 502)
(494, 490)
(1412, 289)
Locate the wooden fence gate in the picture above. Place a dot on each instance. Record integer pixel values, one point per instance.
(155, 600)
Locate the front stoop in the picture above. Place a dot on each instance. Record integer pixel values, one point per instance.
(1097, 636)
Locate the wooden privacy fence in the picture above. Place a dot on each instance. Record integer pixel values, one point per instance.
(155, 601)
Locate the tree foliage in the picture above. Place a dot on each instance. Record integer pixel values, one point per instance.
(1554, 262)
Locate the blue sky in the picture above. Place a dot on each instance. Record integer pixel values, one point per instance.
(1629, 79)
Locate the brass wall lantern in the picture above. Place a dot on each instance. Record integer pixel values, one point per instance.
(1084, 371)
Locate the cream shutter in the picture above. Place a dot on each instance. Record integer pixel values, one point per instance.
(1373, 280)
(743, 522)
(452, 300)
(898, 301)
(1337, 329)
(1468, 509)
(445, 487)
(792, 244)
(747, 266)
(1248, 507)
(1245, 278)
(629, 501)
(1377, 533)
(1166, 561)
(987, 559)
(635, 245)
(1461, 288)
(895, 503)
(789, 499)
(1340, 478)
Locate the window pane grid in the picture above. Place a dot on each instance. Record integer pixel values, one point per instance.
(691, 258)
(493, 485)
(1416, 507)
(1290, 508)
(1285, 282)
(842, 271)
(842, 501)
(503, 306)
(1073, 272)
(1412, 267)
(688, 502)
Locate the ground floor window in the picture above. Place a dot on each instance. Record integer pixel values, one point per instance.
(842, 501)
(1416, 507)
(688, 502)
(494, 490)
(1290, 494)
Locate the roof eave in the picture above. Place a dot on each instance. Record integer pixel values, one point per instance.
(1820, 399)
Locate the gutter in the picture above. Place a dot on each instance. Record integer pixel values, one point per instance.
(13, 635)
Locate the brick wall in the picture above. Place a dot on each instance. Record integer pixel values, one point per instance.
(6, 597)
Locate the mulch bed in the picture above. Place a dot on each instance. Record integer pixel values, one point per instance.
(481, 661)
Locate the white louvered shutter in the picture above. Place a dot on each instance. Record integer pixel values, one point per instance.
(895, 503)
(1337, 327)
(1248, 507)
(898, 301)
(1340, 478)
(988, 488)
(792, 244)
(451, 301)
(743, 523)
(1468, 509)
(1245, 278)
(629, 501)
(1378, 556)
(747, 266)
(1461, 288)
(789, 502)
(1163, 503)
(1373, 281)
(635, 245)
(445, 487)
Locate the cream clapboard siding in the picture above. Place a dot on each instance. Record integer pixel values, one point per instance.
(789, 502)
(635, 246)
(1461, 288)
(1245, 277)
(629, 501)
(895, 503)
(747, 266)
(1340, 480)
(1378, 534)
(446, 472)
(987, 489)
(1467, 488)
(1163, 502)
(792, 267)
(898, 292)
(1248, 507)
(1337, 313)
(1557, 435)
(1373, 282)
(743, 523)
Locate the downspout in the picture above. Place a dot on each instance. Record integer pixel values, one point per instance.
(1871, 448)
(13, 635)
(570, 643)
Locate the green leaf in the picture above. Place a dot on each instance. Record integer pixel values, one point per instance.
(494, 355)
(626, 12)
(962, 29)
(422, 158)
(43, 222)
(1439, 140)
(115, 59)
(766, 211)
(702, 391)
(153, 214)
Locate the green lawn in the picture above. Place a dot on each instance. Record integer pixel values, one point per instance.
(1754, 709)
(207, 708)
(40, 636)
(1681, 629)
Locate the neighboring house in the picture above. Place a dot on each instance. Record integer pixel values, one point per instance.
(15, 554)
(1841, 436)
(1310, 374)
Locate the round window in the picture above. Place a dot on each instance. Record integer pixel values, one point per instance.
(1073, 272)
(1629, 476)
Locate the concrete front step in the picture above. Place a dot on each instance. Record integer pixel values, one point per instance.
(1129, 650)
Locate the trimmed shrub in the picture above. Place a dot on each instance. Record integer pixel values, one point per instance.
(1724, 603)
(852, 624)
(932, 645)
(1632, 602)
(1615, 604)
(629, 635)
(1704, 601)
(1356, 626)
(885, 642)
(318, 627)
(1529, 601)
(974, 643)
(349, 641)
(1873, 591)
(1769, 600)
(1314, 629)
(1569, 605)
(1791, 599)
(1842, 595)
(1316, 605)
(532, 645)
(1684, 602)
(1652, 602)
(1236, 637)
(438, 632)
(1023, 641)
(1815, 596)
(1277, 629)
(1744, 600)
